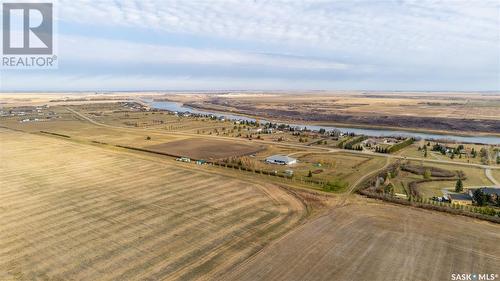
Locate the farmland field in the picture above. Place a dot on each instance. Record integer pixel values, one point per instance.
(369, 240)
(206, 149)
(70, 211)
(76, 205)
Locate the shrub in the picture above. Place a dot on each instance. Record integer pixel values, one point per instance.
(335, 185)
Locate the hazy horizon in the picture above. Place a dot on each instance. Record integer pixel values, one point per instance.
(237, 91)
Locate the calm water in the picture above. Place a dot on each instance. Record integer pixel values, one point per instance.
(179, 107)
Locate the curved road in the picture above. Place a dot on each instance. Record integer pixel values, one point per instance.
(487, 173)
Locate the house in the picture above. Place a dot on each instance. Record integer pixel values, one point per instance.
(493, 192)
(281, 160)
(370, 142)
(460, 198)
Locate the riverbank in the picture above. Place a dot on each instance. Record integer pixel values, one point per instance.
(403, 119)
(375, 131)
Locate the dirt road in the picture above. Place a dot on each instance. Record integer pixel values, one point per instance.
(354, 186)
(487, 173)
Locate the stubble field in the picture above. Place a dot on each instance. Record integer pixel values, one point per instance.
(206, 149)
(70, 211)
(368, 240)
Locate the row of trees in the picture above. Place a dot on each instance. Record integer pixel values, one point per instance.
(459, 150)
(401, 145)
(381, 149)
(352, 143)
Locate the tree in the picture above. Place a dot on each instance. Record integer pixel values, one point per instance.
(427, 174)
(485, 156)
(389, 189)
(459, 186)
(148, 138)
(425, 153)
(335, 185)
(310, 174)
(479, 197)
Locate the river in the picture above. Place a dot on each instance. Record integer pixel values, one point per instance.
(179, 107)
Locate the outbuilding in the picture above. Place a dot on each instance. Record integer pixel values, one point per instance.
(281, 160)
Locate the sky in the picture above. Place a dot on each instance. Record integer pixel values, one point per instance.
(133, 45)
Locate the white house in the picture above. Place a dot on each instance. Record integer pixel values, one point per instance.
(281, 160)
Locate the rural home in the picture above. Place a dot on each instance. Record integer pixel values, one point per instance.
(460, 198)
(370, 142)
(281, 160)
(493, 192)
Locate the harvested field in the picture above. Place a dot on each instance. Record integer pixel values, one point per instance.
(378, 241)
(496, 174)
(70, 211)
(206, 149)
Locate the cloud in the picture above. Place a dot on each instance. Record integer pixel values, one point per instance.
(333, 24)
(85, 49)
(425, 44)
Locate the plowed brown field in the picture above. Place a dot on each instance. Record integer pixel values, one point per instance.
(376, 241)
(206, 149)
(70, 211)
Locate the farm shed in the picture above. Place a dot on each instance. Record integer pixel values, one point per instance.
(281, 160)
